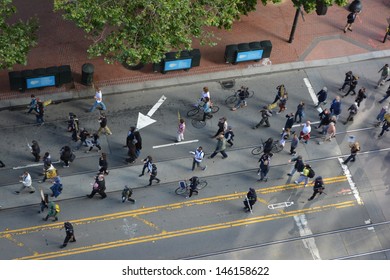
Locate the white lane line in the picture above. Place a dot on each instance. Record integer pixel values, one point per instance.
(313, 95)
(32, 165)
(296, 125)
(351, 183)
(174, 144)
(304, 230)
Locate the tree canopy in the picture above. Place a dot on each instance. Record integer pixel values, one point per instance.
(144, 30)
(16, 39)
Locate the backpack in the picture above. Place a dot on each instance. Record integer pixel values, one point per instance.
(57, 208)
(387, 117)
(311, 173)
(154, 170)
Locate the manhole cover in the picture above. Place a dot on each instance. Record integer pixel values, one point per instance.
(228, 84)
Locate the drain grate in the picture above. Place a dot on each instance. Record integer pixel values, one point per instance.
(228, 84)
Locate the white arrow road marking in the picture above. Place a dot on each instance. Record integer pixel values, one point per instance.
(147, 120)
(281, 205)
(312, 93)
(174, 144)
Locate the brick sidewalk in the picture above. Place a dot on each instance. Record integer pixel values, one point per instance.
(318, 37)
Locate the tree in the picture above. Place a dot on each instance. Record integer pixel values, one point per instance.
(16, 39)
(310, 5)
(133, 31)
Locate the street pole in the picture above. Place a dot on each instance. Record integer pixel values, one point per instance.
(294, 26)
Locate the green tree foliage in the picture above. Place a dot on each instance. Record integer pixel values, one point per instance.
(133, 31)
(16, 39)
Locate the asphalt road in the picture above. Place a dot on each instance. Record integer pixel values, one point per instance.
(350, 221)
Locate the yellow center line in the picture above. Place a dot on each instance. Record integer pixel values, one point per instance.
(186, 231)
(154, 209)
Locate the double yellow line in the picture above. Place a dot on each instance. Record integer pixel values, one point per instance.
(176, 233)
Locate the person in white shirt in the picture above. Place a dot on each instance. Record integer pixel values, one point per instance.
(205, 93)
(198, 157)
(305, 133)
(26, 183)
(98, 100)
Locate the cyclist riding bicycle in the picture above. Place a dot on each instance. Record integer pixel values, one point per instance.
(205, 93)
(243, 94)
(194, 182)
(207, 109)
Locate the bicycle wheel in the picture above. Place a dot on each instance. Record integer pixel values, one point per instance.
(276, 148)
(214, 109)
(257, 151)
(231, 99)
(192, 112)
(180, 190)
(202, 184)
(251, 93)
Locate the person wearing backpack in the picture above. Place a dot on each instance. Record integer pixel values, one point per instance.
(355, 147)
(318, 187)
(94, 143)
(250, 199)
(99, 187)
(69, 234)
(194, 182)
(153, 175)
(54, 209)
(56, 188)
(353, 110)
(306, 173)
(298, 166)
(126, 194)
(265, 161)
(265, 114)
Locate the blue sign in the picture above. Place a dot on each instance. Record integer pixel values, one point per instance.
(249, 55)
(46, 81)
(178, 64)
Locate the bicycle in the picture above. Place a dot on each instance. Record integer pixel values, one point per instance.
(184, 188)
(233, 98)
(199, 108)
(276, 148)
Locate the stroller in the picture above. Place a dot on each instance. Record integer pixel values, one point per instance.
(126, 194)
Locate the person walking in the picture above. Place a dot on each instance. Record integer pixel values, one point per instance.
(318, 187)
(322, 95)
(47, 164)
(386, 96)
(103, 164)
(381, 116)
(180, 130)
(229, 135)
(289, 122)
(26, 183)
(353, 110)
(130, 144)
(194, 182)
(206, 109)
(294, 144)
(385, 127)
(281, 91)
(198, 157)
(66, 155)
(138, 143)
(39, 113)
(350, 20)
(265, 114)
(361, 96)
(330, 132)
(385, 71)
(325, 117)
(44, 202)
(304, 177)
(99, 187)
(69, 234)
(98, 101)
(148, 161)
(33, 104)
(355, 148)
(352, 86)
(35, 150)
(300, 112)
(53, 211)
(93, 142)
(347, 80)
(103, 125)
(153, 175)
(335, 107)
(305, 132)
(283, 103)
(298, 165)
(250, 200)
(56, 188)
(83, 136)
(126, 194)
(265, 161)
(222, 126)
(221, 147)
